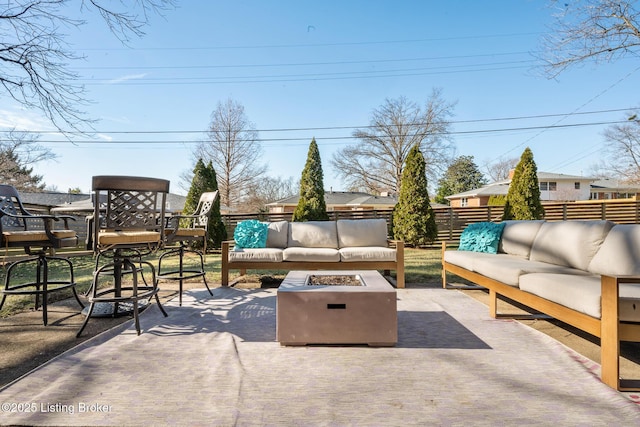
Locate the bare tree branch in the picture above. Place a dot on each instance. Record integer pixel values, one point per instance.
(376, 163)
(599, 30)
(35, 57)
(623, 154)
(235, 152)
(19, 151)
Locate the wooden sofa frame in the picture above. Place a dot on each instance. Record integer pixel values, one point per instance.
(387, 266)
(608, 328)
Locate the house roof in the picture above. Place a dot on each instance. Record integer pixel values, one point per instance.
(560, 177)
(614, 185)
(502, 187)
(343, 198)
(495, 189)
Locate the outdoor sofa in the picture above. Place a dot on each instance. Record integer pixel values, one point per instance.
(345, 244)
(584, 273)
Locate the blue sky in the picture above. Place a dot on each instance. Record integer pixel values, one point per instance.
(301, 65)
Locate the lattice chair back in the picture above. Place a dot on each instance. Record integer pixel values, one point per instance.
(11, 207)
(133, 212)
(36, 234)
(21, 228)
(185, 229)
(203, 210)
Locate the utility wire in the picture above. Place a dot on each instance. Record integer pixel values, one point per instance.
(324, 128)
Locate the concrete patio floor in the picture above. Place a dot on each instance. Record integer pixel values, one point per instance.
(26, 343)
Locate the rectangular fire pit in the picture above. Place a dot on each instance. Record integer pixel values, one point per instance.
(336, 307)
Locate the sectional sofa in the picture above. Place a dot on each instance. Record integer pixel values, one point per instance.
(584, 273)
(349, 244)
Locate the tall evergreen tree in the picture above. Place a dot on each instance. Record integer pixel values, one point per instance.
(204, 180)
(413, 218)
(311, 205)
(461, 175)
(523, 198)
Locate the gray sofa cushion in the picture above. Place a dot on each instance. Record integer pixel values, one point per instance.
(619, 254)
(582, 293)
(370, 253)
(504, 268)
(277, 234)
(313, 234)
(518, 236)
(462, 259)
(569, 243)
(256, 255)
(311, 254)
(361, 232)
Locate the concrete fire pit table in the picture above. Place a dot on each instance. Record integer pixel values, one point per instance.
(347, 307)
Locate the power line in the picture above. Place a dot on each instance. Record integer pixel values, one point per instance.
(290, 78)
(298, 64)
(324, 128)
(338, 138)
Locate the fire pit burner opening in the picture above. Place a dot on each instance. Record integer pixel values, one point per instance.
(334, 280)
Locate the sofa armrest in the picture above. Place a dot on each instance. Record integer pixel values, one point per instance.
(225, 261)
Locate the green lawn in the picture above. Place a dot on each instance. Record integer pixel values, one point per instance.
(421, 266)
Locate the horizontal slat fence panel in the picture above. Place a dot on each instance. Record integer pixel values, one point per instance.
(452, 221)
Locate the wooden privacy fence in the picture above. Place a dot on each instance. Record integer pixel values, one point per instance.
(451, 221)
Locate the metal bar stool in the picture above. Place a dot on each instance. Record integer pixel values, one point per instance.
(186, 229)
(37, 236)
(128, 227)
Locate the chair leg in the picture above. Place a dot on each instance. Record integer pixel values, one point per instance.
(180, 275)
(86, 319)
(43, 287)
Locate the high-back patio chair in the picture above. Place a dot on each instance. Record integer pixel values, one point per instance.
(37, 235)
(127, 226)
(186, 230)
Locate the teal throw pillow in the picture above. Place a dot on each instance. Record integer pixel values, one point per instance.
(481, 237)
(251, 234)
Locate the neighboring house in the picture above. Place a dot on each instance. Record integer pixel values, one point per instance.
(479, 196)
(339, 201)
(608, 189)
(553, 187)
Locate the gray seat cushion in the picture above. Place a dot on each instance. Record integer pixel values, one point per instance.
(311, 254)
(374, 253)
(503, 267)
(256, 255)
(582, 293)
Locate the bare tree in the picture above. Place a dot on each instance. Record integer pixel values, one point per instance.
(235, 152)
(376, 162)
(35, 57)
(499, 170)
(601, 30)
(19, 151)
(269, 190)
(622, 158)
